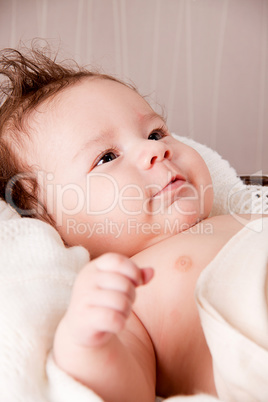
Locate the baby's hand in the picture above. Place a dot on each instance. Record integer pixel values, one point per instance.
(87, 343)
(102, 299)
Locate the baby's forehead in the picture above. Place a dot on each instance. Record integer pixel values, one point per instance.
(96, 92)
(77, 105)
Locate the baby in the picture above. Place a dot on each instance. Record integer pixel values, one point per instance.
(87, 153)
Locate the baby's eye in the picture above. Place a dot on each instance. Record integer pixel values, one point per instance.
(157, 135)
(107, 157)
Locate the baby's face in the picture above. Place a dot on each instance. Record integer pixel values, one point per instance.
(110, 173)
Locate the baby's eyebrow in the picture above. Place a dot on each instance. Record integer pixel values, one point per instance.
(93, 141)
(102, 137)
(153, 116)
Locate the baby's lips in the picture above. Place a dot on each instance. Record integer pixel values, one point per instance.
(174, 182)
(146, 275)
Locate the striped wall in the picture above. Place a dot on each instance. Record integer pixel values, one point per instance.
(204, 61)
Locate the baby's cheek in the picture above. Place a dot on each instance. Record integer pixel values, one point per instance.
(101, 194)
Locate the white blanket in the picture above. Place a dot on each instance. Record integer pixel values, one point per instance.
(37, 273)
(232, 299)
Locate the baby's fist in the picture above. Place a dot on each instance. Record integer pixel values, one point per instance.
(102, 298)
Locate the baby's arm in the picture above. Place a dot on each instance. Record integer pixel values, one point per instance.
(99, 341)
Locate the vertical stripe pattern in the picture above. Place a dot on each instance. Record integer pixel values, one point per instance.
(194, 77)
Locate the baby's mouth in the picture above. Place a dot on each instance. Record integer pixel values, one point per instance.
(173, 185)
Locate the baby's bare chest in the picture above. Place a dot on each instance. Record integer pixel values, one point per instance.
(167, 304)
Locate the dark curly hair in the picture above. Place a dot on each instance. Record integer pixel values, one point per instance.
(28, 78)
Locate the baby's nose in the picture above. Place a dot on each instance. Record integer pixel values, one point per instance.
(152, 152)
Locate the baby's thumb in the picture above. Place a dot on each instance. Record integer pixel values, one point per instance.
(146, 274)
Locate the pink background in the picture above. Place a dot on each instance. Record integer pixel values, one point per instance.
(204, 61)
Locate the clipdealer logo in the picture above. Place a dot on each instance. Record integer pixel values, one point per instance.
(133, 227)
(71, 199)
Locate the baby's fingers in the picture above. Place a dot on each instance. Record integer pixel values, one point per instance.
(118, 263)
(103, 319)
(111, 299)
(147, 274)
(116, 282)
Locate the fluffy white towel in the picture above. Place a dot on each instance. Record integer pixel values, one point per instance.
(37, 273)
(231, 295)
